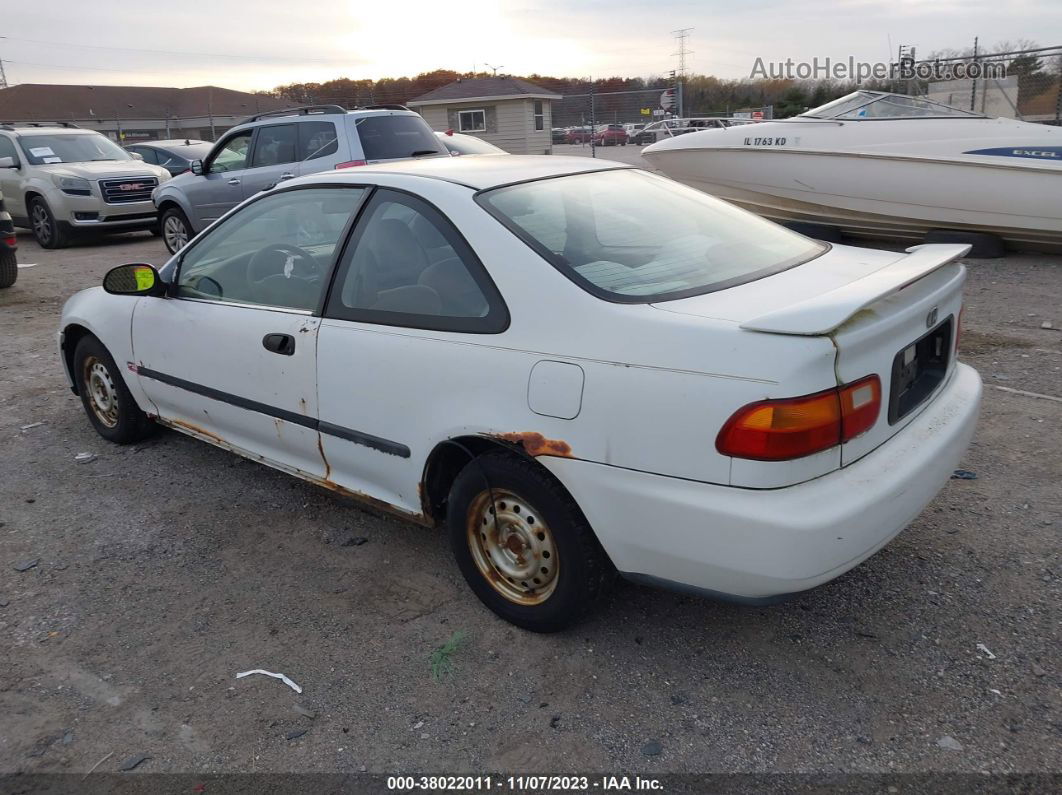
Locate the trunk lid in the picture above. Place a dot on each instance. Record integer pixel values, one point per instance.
(891, 315)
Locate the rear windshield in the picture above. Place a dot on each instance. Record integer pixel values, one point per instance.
(392, 137)
(633, 237)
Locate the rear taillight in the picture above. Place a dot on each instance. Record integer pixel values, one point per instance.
(10, 240)
(787, 428)
(352, 163)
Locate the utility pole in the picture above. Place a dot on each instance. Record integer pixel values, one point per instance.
(973, 81)
(210, 112)
(682, 36)
(494, 69)
(3, 77)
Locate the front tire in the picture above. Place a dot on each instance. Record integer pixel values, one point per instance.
(107, 401)
(48, 232)
(176, 231)
(530, 555)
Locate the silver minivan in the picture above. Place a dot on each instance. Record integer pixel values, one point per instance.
(272, 147)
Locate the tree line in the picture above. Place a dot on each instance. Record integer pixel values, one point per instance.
(702, 94)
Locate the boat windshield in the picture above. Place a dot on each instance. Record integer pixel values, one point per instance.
(878, 105)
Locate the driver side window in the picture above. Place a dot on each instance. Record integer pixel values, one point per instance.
(233, 154)
(274, 252)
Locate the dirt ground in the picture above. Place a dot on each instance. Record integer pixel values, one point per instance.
(167, 567)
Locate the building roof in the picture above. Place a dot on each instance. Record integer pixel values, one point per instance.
(40, 101)
(483, 88)
(478, 173)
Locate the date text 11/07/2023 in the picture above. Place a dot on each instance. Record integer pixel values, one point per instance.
(575, 784)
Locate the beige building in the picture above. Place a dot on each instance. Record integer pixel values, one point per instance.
(512, 114)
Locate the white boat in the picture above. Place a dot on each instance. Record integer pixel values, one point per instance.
(879, 165)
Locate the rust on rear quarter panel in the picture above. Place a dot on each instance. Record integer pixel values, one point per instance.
(379, 505)
(535, 444)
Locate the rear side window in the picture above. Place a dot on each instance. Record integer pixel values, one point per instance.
(392, 137)
(275, 145)
(317, 139)
(149, 155)
(406, 265)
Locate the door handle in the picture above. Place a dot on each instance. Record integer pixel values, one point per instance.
(234, 181)
(286, 175)
(284, 344)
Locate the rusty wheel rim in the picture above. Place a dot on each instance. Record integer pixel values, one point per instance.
(102, 395)
(513, 547)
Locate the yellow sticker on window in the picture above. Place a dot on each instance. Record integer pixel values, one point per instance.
(145, 278)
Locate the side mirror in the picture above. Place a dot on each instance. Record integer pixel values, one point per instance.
(197, 168)
(8, 162)
(136, 156)
(135, 279)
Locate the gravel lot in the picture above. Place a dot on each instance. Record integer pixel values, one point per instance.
(165, 568)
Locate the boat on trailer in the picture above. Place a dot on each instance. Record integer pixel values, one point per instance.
(882, 165)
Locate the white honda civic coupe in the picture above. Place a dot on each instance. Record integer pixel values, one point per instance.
(577, 367)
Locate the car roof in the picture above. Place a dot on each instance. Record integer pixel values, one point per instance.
(480, 173)
(172, 142)
(48, 129)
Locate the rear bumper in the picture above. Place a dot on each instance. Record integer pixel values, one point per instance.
(753, 545)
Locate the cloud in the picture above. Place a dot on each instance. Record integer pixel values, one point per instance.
(270, 42)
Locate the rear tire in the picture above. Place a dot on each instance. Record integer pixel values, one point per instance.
(8, 268)
(176, 231)
(532, 557)
(48, 232)
(107, 401)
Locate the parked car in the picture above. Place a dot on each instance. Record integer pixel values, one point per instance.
(8, 247)
(458, 144)
(714, 403)
(633, 129)
(175, 156)
(611, 135)
(579, 135)
(657, 131)
(59, 179)
(270, 148)
(558, 135)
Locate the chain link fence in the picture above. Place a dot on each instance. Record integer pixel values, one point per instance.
(1020, 84)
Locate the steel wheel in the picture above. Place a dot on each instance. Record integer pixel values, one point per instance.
(42, 224)
(99, 387)
(513, 547)
(174, 233)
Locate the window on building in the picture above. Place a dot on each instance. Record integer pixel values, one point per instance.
(540, 116)
(472, 120)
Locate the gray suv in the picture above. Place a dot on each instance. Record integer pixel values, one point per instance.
(272, 147)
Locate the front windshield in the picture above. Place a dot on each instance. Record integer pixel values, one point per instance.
(630, 236)
(70, 148)
(868, 105)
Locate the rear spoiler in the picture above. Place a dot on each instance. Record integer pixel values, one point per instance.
(824, 313)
